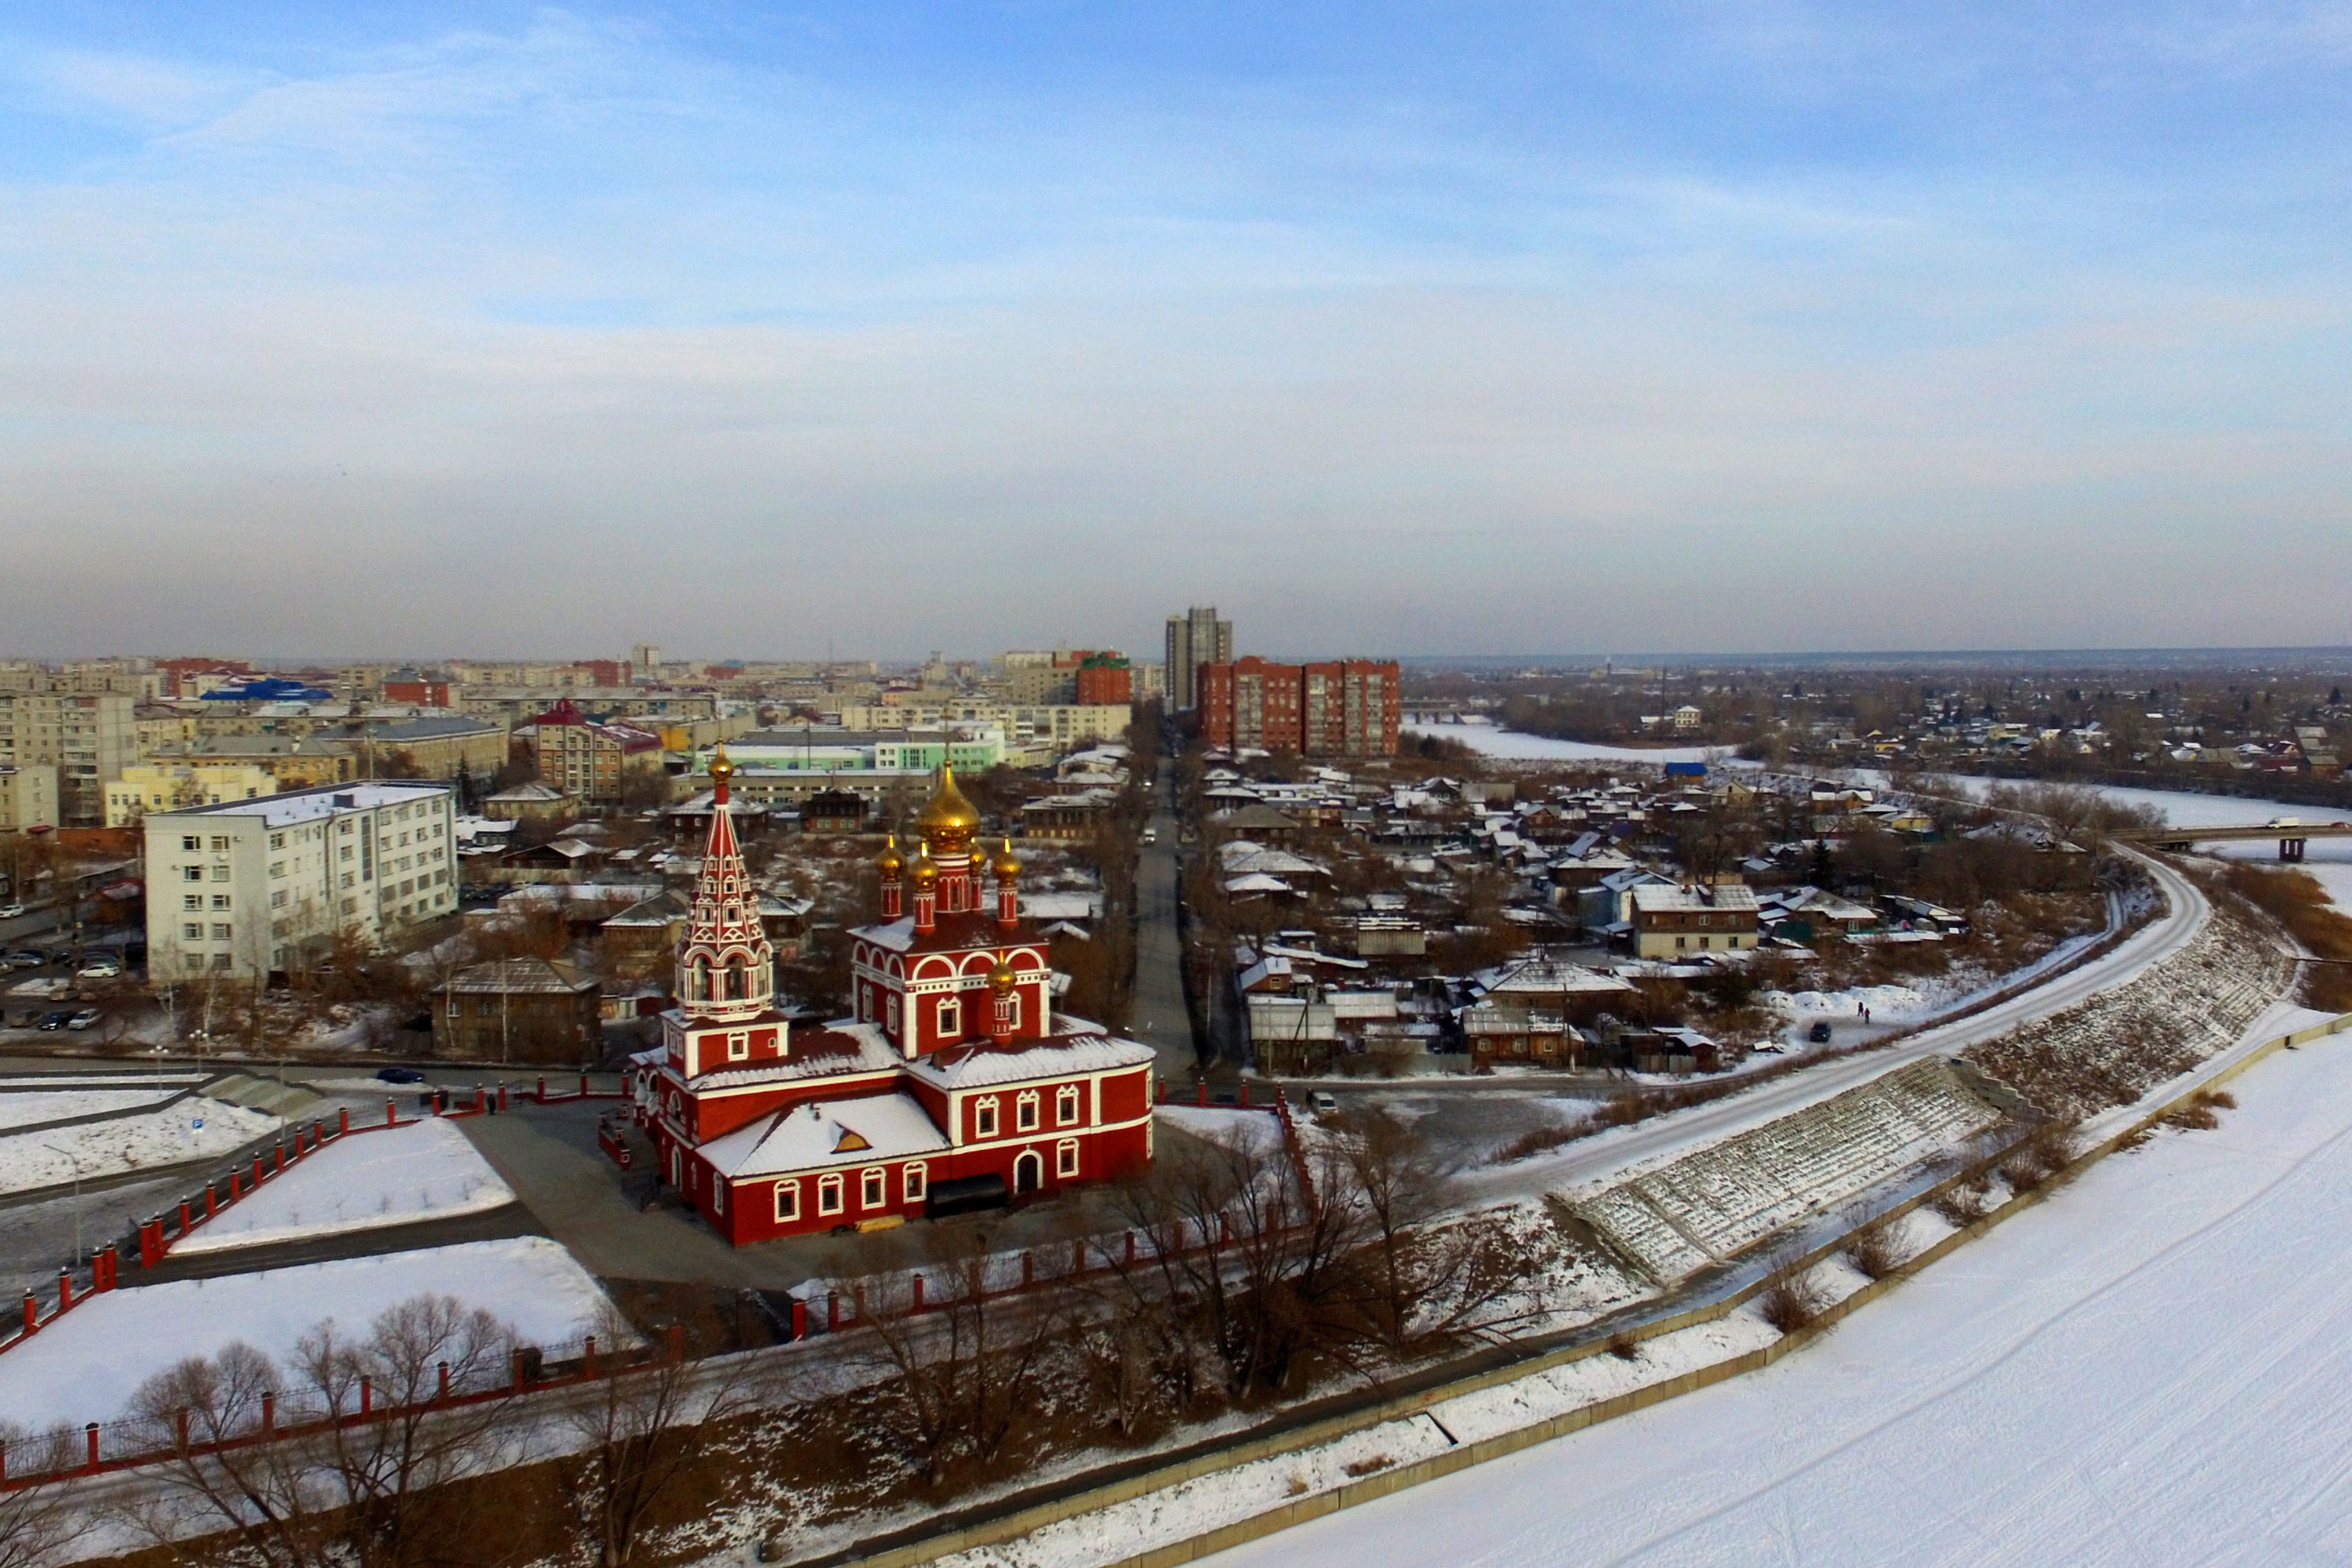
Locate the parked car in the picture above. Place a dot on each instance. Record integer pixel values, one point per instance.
(1321, 1102)
(101, 969)
(27, 958)
(58, 1020)
(1150, 836)
(400, 1075)
(10, 912)
(1819, 1032)
(87, 1018)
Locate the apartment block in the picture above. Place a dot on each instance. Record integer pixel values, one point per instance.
(1344, 708)
(28, 798)
(247, 887)
(145, 787)
(89, 737)
(1195, 638)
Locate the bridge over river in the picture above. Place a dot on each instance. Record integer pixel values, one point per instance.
(2292, 833)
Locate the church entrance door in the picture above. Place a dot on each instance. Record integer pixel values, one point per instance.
(1028, 1173)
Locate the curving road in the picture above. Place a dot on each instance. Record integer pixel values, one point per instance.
(1612, 1152)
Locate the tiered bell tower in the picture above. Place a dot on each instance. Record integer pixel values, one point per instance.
(725, 965)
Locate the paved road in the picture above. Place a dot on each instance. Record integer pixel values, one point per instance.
(1159, 1018)
(1596, 1158)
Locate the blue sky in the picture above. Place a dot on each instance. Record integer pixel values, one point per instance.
(1397, 328)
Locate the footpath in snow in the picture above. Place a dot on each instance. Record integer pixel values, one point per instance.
(2149, 1369)
(194, 1129)
(85, 1365)
(419, 1171)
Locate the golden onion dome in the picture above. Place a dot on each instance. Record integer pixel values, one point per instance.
(891, 862)
(927, 870)
(721, 770)
(1001, 979)
(949, 817)
(1007, 867)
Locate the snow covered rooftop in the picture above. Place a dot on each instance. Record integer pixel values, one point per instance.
(310, 804)
(815, 1136)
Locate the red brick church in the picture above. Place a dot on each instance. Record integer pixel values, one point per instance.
(952, 1085)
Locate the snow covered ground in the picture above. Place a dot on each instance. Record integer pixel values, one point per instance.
(30, 1108)
(194, 1129)
(2149, 1369)
(421, 1170)
(1509, 745)
(88, 1364)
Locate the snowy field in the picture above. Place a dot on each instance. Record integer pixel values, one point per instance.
(88, 1364)
(1509, 745)
(194, 1129)
(423, 1169)
(2151, 1369)
(31, 1108)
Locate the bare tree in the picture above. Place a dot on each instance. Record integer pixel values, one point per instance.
(35, 1522)
(967, 1371)
(374, 1439)
(643, 1432)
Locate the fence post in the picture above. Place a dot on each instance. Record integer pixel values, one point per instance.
(257, 1171)
(502, 1098)
(390, 1112)
(919, 1294)
(234, 1176)
(1130, 1248)
(1244, 1094)
(677, 1342)
(800, 1319)
(64, 1288)
(1203, 1088)
(151, 1250)
(832, 1310)
(179, 1428)
(212, 1203)
(481, 1100)
(32, 1313)
(343, 1120)
(445, 1381)
(1028, 1270)
(542, 1091)
(104, 1278)
(91, 1430)
(367, 1396)
(583, 1085)
(268, 1413)
(187, 1216)
(517, 1371)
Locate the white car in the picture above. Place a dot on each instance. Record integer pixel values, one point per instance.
(87, 1018)
(10, 912)
(104, 969)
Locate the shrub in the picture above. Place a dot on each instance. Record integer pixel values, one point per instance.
(1624, 1346)
(1964, 1203)
(2035, 1162)
(1877, 1250)
(1792, 1302)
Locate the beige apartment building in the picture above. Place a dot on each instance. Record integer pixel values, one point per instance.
(145, 787)
(28, 797)
(243, 888)
(89, 737)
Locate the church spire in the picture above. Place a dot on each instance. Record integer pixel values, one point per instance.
(725, 965)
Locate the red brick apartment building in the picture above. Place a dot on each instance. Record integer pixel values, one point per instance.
(1346, 708)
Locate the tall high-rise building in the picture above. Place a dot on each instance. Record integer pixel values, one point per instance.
(1194, 639)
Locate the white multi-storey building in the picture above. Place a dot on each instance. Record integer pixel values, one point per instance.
(245, 888)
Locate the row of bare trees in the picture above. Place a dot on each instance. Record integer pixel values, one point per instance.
(1252, 1279)
(384, 1451)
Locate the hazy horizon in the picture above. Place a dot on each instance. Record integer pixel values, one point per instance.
(541, 331)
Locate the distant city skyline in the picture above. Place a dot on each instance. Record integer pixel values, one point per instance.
(1819, 326)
